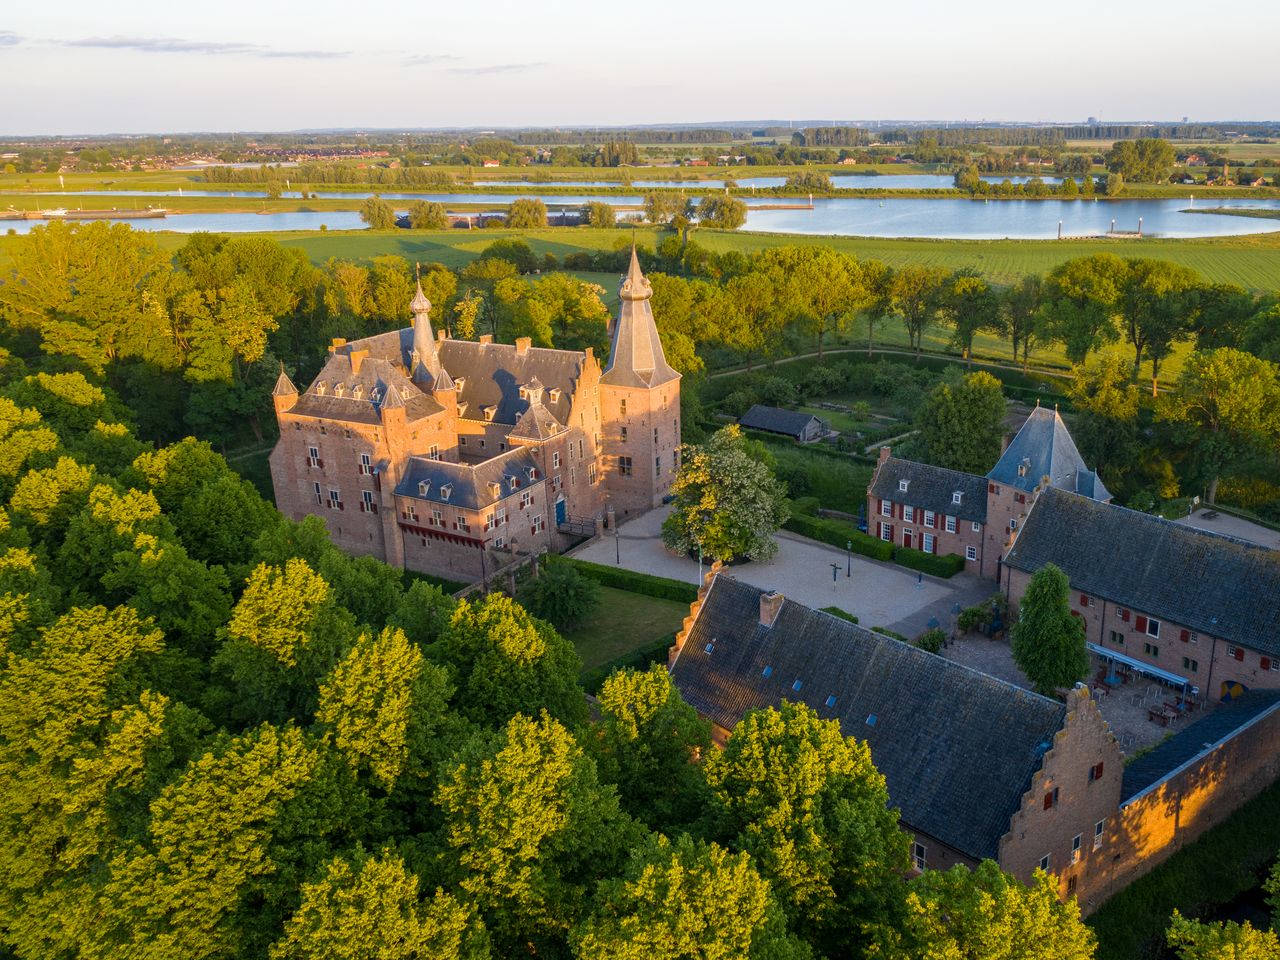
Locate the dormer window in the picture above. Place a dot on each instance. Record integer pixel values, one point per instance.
(957, 497)
(357, 392)
(489, 411)
(424, 487)
(1023, 467)
(555, 394)
(375, 395)
(339, 389)
(321, 387)
(532, 472)
(459, 382)
(513, 482)
(446, 490)
(462, 408)
(495, 488)
(902, 485)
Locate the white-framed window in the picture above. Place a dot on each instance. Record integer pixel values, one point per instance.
(437, 518)
(1044, 863)
(366, 464)
(622, 407)
(433, 453)
(1013, 523)
(366, 502)
(976, 526)
(335, 501)
(909, 514)
(927, 543)
(930, 519)
(950, 525)
(526, 498)
(918, 856)
(537, 524)
(971, 553)
(624, 434)
(410, 513)
(1075, 848)
(902, 485)
(1097, 834)
(313, 456)
(591, 473)
(461, 524)
(886, 531)
(555, 460)
(957, 497)
(657, 466)
(319, 494)
(462, 441)
(1153, 628)
(489, 522)
(500, 515)
(499, 542)
(624, 466)
(886, 508)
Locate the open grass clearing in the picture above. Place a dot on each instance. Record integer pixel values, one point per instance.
(623, 622)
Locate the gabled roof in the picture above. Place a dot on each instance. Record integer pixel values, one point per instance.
(635, 356)
(374, 379)
(470, 483)
(1207, 582)
(536, 423)
(493, 373)
(792, 423)
(932, 488)
(957, 748)
(1043, 448)
(1150, 768)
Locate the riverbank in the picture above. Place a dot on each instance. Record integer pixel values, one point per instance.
(1240, 212)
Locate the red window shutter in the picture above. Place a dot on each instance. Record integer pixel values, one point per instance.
(1124, 615)
(991, 488)
(1098, 776)
(1265, 663)
(1084, 600)
(1185, 636)
(1048, 801)
(1142, 623)
(1240, 654)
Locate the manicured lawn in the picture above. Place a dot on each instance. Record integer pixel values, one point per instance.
(623, 622)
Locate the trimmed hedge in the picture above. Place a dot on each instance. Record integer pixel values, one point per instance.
(640, 659)
(837, 534)
(936, 565)
(842, 614)
(663, 588)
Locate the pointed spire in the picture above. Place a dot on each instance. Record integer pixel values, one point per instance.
(284, 386)
(419, 303)
(392, 400)
(636, 358)
(635, 286)
(424, 361)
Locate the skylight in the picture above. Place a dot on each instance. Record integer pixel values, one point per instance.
(767, 672)
(797, 685)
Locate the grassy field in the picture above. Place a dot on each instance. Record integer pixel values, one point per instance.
(622, 622)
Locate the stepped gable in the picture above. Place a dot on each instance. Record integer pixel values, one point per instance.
(1207, 582)
(1043, 448)
(469, 486)
(932, 488)
(357, 395)
(957, 748)
(491, 374)
(635, 356)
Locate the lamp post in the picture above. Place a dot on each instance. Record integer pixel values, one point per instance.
(848, 558)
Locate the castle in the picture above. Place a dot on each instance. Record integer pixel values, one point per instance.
(450, 457)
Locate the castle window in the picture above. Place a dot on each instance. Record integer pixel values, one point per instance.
(319, 494)
(462, 441)
(902, 485)
(366, 502)
(500, 516)
(657, 466)
(555, 460)
(424, 486)
(624, 434)
(437, 518)
(313, 456)
(655, 434)
(531, 473)
(335, 501)
(321, 387)
(622, 407)
(410, 513)
(1044, 863)
(971, 553)
(1095, 772)
(957, 497)
(537, 525)
(624, 466)
(1051, 799)
(499, 542)
(366, 464)
(1075, 848)
(460, 523)
(555, 394)
(591, 473)
(950, 525)
(446, 490)
(1097, 834)
(526, 498)
(489, 411)
(339, 389)
(918, 856)
(434, 452)
(1013, 524)
(357, 391)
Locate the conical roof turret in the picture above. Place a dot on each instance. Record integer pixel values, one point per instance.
(284, 386)
(635, 357)
(424, 362)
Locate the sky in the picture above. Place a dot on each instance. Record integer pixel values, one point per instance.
(141, 66)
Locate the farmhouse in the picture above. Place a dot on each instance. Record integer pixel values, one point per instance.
(804, 427)
(452, 456)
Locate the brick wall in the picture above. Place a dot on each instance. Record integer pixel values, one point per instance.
(651, 419)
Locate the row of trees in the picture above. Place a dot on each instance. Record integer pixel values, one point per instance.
(221, 737)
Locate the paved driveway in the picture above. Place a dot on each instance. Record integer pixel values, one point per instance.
(1233, 527)
(879, 594)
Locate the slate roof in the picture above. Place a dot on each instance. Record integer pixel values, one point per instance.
(635, 355)
(932, 488)
(493, 373)
(376, 376)
(1150, 768)
(792, 423)
(1043, 448)
(536, 423)
(957, 748)
(1208, 582)
(470, 482)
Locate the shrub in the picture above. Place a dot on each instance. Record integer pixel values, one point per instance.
(890, 633)
(526, 213)
(838, 534)
(805, 505)
(647, 584)
(944, 565)
(931, 640)
(516, 252)
(561, 595)
(842, 614)
(777, 392)
(578, 260)
(640, 659)
(426, 215)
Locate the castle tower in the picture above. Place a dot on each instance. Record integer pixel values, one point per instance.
(284, 395)
(424, 362)
(639, 405)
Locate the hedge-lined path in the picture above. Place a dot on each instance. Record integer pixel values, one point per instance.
(878, 594)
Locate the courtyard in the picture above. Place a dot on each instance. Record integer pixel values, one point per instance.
(808, 572)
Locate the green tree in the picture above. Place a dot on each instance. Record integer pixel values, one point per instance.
(1022, 316)
(559, 594)
(916, 294)
(970, 304)
(528, 828)
(809, 181)
(466, 314)
(1158, 303)
(1048, 642)
(378, 214)
(722, 212)
(985, 914)
(428, 215)
(1082, 301)
(665, 207)
(1220, 941)
(1106, 426)
(808, 805)
(423, 612)
(726, 504)
(505, 662)
(685, 900)
(961, 423)
(648, 742)
(371, 907)
(526, 213)
(597, 213)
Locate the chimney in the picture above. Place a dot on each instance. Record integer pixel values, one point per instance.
(357, 358)
(442, 335)
(884, 454)
(486, 338)
(522, 345)
(770, 604)
(337, 342)
(589, 352)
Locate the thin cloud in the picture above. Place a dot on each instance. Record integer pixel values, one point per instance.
(178, 45)
(9, 39)
(427, 59)
(499, 68)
